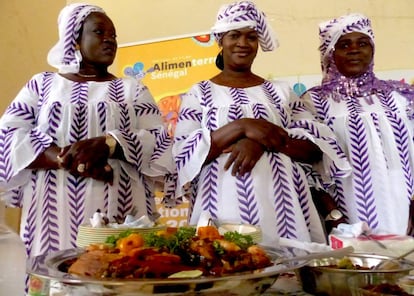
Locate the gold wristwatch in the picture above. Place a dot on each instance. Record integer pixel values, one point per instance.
(334, 215)
(111, 142)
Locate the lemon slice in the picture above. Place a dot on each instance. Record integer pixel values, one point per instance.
(186, 274)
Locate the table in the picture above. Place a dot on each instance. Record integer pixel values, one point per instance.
(286, 284)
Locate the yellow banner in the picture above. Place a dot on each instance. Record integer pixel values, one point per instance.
(169, 68)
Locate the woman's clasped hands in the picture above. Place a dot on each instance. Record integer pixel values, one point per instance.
(269, 135)
(87, 158)
(259, 136)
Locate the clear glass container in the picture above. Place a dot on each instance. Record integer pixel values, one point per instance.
(12, 258)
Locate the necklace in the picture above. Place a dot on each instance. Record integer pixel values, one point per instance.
(87, 75)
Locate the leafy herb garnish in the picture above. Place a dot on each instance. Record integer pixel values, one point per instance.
(242, 240)
(171, 242)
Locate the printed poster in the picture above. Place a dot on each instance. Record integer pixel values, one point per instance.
(169, 68)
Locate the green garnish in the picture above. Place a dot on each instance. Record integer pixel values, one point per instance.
(171, 242)
(218, 248)
(185, 233)
(181, 238)
(242, 240)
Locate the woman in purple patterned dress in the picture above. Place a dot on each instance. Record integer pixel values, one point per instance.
(239, 146)
(373, 121)
(81, 139)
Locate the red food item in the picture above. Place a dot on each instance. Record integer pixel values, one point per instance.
(150, 265)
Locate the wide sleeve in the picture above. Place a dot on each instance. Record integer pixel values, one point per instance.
(146, 144)
(21, 137)
(305, 124)
(191, 139)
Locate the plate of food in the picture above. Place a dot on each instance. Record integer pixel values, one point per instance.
(173, 261)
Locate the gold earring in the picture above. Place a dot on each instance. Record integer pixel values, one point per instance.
(77, 46)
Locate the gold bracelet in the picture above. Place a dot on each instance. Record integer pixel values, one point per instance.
(111, 142)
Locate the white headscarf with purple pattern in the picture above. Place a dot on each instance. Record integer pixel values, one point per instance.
(244, 14)
(64, 56)
(331, 31)
(339, 87)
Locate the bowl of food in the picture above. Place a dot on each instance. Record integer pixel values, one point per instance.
(329, 276)
(376, 284)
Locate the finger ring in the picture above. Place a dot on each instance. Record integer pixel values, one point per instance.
(59, 161)
(81, 168)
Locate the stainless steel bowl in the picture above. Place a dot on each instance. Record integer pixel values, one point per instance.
(318, 277)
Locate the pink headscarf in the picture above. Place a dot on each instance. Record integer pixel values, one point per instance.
(244, 14)
(64, 55)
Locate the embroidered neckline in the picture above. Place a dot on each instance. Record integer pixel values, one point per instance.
(365, 86)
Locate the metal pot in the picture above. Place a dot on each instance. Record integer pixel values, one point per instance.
(322, 277)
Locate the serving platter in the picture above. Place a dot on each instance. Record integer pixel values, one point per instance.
(52, 267)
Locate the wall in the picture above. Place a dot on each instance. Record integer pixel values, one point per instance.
(28, 30)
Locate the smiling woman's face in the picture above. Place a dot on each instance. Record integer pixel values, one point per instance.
(240, 48)
(353, 54)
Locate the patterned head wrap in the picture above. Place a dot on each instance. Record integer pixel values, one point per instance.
(64, 56)
(337, 86)
(243, 14)
(331, 31)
